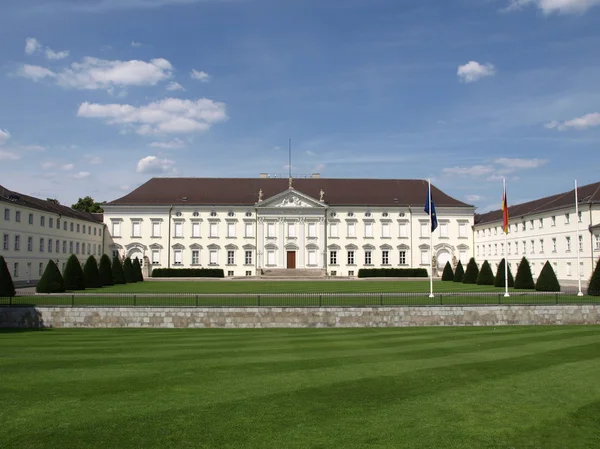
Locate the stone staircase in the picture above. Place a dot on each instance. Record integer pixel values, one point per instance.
(292, 273)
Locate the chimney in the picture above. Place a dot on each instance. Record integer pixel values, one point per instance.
(264, 175)
(315, 175)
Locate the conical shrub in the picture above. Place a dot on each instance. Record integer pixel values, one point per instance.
(105, 271)
(459, 272)
(7, 287)
(448, 275)
(51, 281)
(137, 268)
(128, 272)
(499, 281)
(594, 285)
(117, 272)
(486, 275)
(91, 273)
(73, 276)
(524, 279)
(547, 281)
(472, 272)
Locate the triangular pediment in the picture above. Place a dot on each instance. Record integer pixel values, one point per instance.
(291, 199)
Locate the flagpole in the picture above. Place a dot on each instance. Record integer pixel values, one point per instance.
(579, 293)
(506, 295)
(430, 243)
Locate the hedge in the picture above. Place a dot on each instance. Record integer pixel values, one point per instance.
(459, 273)
(91, 274)
(547, 282)
(128, 271)
(524, 279)
(500, 281)
(188, 273)
(486, 275)
(105, 271)
(137, 268)
(51, 281)
(472, 272)
(7, 287)
(118, 276)
(73, 275)
(393, 273)
(448, 275)
(594, 285)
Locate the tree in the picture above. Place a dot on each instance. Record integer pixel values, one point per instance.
(87, 204)
(117, 272)
(128, 272)
(499, 282)
(486, 275)
(91, 273)
(594, 285)
(53, 201)
(448, 275)
(524, 279)
(7, 287)
(73, 276)
(459, 272)
(137, 268)
(51, 281)
(472, 272)
(546, 281)
(105, 271)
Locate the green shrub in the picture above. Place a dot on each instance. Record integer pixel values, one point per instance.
(524, 279)
(51, 281)
(105, 271)
(137, 268)
(472, 272)
(486, 275)
(448, 275)
(459, 273)
(393, 273)
(500, 281)
(73, 276)
(118, 275)
(594, 285)
(91, 273)
(546, 281)
(188, 273)
(128, 272)
(7, 287)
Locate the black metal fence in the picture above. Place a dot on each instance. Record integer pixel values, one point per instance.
(296, 299)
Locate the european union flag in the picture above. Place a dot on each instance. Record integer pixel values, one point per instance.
(434, 220)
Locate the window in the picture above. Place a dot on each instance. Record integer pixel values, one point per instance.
(350, 257)
(83, 230)
(90, 230)
(178, 229)
(291, 230)
(248, 257)
(425, 229)
(230, 257)
(333, 257)
(18, 216)
(16, 270)
(568, 243)
(312, 258)
(156, 229)
(230, 273)
(532, 246)
(72, 226)
(541, 245)
(99, 249)
(116, 228)
(42, 221)
(195, 229)
(495, 249)
(271, 230)
(17, 242)
(312, 229)
(351, 214)
(579, 216)
(248, 230)
(212, 257)
(478, 254)
(581, 243)
(64, 225)
(95, 229)
(569, 273)
(230, 230)
(351, 230)
(424, 257)
(541, 223)
(567, 218)
(597, 240)
(333, 230)
(368, 260)
(367, 214)
(115, 253)
(50, 222)
(195, 257)
(29, 243)
(77, 248)
(71, 249)
(496, 231)
(7, 214)
(462, 229)
(213, 230)
(385, 230)
(554, 245)
(41, 268)
(531, 225)
(155, 257)
(64, 245)
(136, 230)
(177, 257)
(524, 247)
(368, 230)
(41, 245)
(49, 245)
(89, 249)
(385, 257)
(30, 219)
(524, 226)
(5, 242)
(213, 214)
(402, 257)
(516, 247)
(403, 230)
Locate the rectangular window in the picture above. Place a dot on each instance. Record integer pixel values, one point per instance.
(83, 230)
(95, 229)
(116, 228)
(402, 257)
(64, 225)
(17, 242)
(351, 230)
(77, 248)
(516, 247)
(195, 257)
(49, 245)
(312, 229)
(554, 245)
(478, 254)
(230, 229)
(7, 214)
(333, 257)
(567, 218)
(156, 229)
(155, 257)
(249, 230)
(90, 230)
(532, 243)
(368, 259)
(78, 227)
(248, 257)
(495, 249)
(368, 230)
(568, 243)
(271, 230)
(541, 223)
(509, 248)
(385, 230)
(71, 248)
(524, 226)
(291, 230)
(178, 257)
(403, 230)
(581, 243)
(462, 230)
(333, 230)
(196, 229)
(425, 230)
(212, 257)
(18, 216)
(597, 239)
(178, 229)
(230, 257)
(531, 225)
(50, 222)
(213, 230)
(41, 268)
(350, 257)
(495, 231)
(42, 221)
(5, 242)
(99, 250)
(41, 245)
(30, 219)
(312, 258)
(89, 247)
(16, 270)
(385, 257)
(137, 229)
(424, 257)
(72, 226)
(524, 247)
(541, 245)
(569, 273)
(29, 243)
(64, 246)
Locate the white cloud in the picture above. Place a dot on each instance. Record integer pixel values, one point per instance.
(54, 164)
(32, 45)
(4, 135)
(81, 175)
(473, 197)
(171, 145)
(168, 116)
(93, 73)
(475, 170)
(554, 6)
(154, 165)
(32, 148)
(173, 85)
(67, 167)
(520, 164)
(473, 71)
(56, 55)
(93, 160)
(136, 44)
(200, 75)
(8, 156)
(580, 123)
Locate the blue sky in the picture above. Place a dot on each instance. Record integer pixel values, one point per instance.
(98, 96)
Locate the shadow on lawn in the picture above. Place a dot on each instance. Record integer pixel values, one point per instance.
(22, 318)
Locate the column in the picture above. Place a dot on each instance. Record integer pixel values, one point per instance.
(281, 243)
(301, 243)
(260, 243)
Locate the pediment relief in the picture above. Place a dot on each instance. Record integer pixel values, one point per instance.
(291, 199)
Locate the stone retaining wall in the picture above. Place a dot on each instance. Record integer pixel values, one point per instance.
(264, 317)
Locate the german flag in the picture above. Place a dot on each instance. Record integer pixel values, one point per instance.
(504, 211)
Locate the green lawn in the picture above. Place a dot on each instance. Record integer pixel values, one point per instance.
(503, 387)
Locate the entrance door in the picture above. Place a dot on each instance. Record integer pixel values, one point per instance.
(291, 259)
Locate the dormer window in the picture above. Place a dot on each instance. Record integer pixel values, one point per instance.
(196, 213)
(213, 214)
(178, 214)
